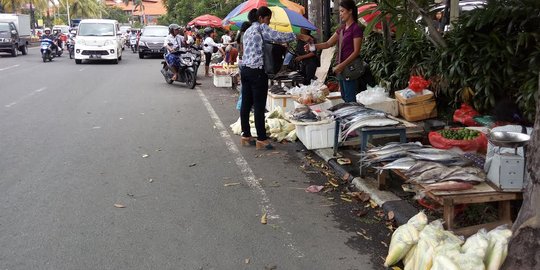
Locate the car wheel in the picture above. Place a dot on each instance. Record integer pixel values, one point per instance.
(141, 55)
(78, 61)
(14, 51)
(24, 50)
(120, 58)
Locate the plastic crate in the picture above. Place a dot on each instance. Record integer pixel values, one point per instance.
(317, 136)
(222, 81)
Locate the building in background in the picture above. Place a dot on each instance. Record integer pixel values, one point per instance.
(146, 13)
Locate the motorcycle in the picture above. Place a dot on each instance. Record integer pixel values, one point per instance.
(133, 43)
(186, 71)
(46, 51)
(71, 47)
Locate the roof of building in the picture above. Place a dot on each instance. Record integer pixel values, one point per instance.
(151, 7)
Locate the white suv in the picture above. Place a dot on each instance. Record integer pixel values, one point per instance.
(98, 40)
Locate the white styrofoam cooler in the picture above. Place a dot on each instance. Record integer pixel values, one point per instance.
(286, 102)
(317, 136)
(317, 107)
(389, 106)
(222, 80)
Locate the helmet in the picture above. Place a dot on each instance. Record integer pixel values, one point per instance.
(47, 29)
(174, 26)
(208, 30)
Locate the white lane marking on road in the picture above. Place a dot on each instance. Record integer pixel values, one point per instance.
(10, 67)
(247, 172)
(25, 97)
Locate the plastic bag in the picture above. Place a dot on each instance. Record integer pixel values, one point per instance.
(404, 237)
(465, 115)
(497, 247)
(469, 261)
(478, 144)
(430, 237)
(477, 244)
(372, 95)
(443, 262)
(417, 83)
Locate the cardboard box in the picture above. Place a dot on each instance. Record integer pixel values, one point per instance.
(418, 111)
(427, 95)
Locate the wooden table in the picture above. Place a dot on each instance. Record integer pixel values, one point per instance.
(481, 193)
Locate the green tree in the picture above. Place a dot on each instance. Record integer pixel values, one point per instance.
(116, 13)
(85, 8)
(137, 4)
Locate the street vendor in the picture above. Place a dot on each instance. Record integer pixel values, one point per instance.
(309, 60)
(210, 47)
(349, 39)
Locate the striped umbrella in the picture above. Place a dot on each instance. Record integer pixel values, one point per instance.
(283, 20)
(251, 4)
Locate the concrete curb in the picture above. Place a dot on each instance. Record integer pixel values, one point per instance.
(403, 211)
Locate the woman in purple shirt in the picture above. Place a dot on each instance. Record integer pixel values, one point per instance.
(350, 47)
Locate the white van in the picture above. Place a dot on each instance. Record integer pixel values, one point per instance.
(98, 40)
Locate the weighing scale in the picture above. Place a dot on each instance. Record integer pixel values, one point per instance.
(507, 170)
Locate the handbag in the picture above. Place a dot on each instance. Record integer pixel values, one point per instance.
(273, 56)
(353, 70)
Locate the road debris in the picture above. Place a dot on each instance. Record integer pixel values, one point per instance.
(192, 165)
(117, 205)
(344, 161)
(246, 261)
(264, 219)
(232, 184)
(363, 235)
(145, 155)
(150, 180)
(314, 189)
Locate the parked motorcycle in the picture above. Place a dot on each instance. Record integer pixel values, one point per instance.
(186, 71)
(71, 47)
(46, 49)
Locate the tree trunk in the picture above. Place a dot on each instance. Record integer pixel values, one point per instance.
(523, 250)
(315, 15)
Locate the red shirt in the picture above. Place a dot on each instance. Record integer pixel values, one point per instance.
(349, 34)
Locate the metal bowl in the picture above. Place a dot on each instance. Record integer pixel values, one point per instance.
(508, 139)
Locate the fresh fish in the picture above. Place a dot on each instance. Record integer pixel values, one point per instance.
(420, 167)
(435, 157)
(449, 186)
(399, 164)
(376, 122)
(393, 145)
(304, 114)
(430, 150)
(461, 174)
(384, 158)
(344, 105)
(396, 148)
(428, 176)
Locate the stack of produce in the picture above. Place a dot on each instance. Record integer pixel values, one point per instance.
(312, 94)
(466, 139)
(277, 126)
(353, 116)
(432, 248)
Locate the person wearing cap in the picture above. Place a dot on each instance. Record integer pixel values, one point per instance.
(172, 43)
(47, 34)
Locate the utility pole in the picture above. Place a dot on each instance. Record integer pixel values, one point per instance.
(68, 17)
(315, 15)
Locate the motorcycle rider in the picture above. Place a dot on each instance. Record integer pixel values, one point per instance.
(47, 34)
(172, 43)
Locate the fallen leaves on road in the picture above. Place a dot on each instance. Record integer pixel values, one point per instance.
(360, 196)
(264, 219)
(314, 189)
(360, 212)
(384, 244)
(192, 165)
(363, 235)
(117, 205)
(344, 161)
(231, 184)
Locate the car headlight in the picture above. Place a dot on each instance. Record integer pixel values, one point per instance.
(109, 42)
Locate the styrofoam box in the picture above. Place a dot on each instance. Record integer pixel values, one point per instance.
(286, 102)
(389, 106)
(317, 107)
(335, 98)
(317, 136)
(222, 81)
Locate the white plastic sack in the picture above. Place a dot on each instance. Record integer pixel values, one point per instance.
(442, 262)
(408, 261)
(404, 237)
(477, 244)
(469, 261)
(497, 247)
(430, 237)
(372, 95)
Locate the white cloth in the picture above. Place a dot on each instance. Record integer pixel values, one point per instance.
(209, 44)
(226, 39)
(176, 41)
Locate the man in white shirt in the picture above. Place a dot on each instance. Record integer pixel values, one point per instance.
(226, 38)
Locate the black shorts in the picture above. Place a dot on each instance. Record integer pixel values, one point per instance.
(207, 58)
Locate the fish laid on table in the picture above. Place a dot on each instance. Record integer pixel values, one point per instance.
(394, 145)
(304, 114)
(368, 161)
(344, 105)
(373, 122)
(420, 167)
(404, 163)
(394, 148)
(431, 172)
(449, 186)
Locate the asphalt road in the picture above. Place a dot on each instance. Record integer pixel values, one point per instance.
(77, 139)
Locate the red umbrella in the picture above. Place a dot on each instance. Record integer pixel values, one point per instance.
(206, 20)
(366, 19)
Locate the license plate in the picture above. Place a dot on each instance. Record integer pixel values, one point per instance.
(44, 47)
(96, 56)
